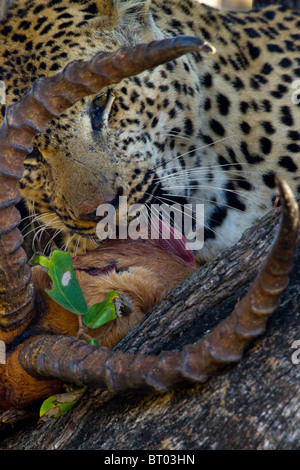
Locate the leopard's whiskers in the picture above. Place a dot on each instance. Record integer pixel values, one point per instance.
(204, 169)
(64, 247)
(205, 225)
(194, 150)
(221, 189)
(56, 233)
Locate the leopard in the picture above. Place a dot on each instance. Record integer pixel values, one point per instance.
(206, 129)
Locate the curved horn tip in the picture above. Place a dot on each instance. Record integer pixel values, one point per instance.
(284, 189)
(288, 199)
(193, 42)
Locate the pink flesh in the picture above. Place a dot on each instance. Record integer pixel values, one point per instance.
(171, 240)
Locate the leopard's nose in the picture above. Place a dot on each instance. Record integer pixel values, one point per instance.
(89, 216)
(86, 212)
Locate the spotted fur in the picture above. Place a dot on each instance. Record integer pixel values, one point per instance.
(201, 129)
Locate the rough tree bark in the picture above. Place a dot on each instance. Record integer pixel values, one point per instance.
(255, 405)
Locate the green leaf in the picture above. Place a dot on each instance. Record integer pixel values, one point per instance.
(94, 342)
(101, 313)
(57, 405)
(66, 290)
(40, 259)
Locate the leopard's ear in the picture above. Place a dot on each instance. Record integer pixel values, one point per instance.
(113, 12)
(137, 8)
(122, 7)
(136, 14)
(106, 7)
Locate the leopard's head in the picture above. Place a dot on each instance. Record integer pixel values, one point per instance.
(118, 143)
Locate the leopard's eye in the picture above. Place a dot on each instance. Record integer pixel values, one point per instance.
(101, 108)
(100, 101)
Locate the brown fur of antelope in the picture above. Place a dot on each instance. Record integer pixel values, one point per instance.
(145, 274)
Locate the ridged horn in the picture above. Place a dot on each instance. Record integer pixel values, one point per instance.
(75, 361)
(4, 5)
(48, 98)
